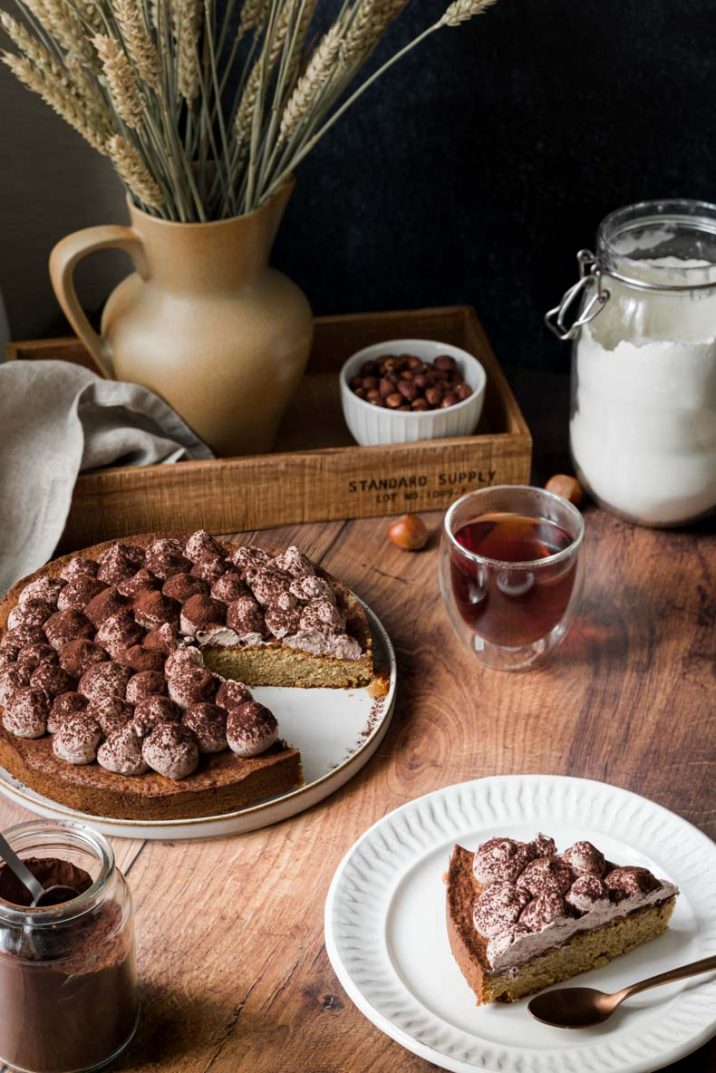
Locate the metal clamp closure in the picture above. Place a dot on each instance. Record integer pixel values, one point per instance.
(590, 277)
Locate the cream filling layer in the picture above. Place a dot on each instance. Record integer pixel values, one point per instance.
(520, 949)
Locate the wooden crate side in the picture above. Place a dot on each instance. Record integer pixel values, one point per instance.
(262, 492)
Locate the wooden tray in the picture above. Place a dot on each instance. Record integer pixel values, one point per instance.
(317, 472)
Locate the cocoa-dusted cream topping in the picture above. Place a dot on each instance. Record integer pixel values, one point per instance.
(141, 658)
(62, 707)
(145, 684)
(209, 570)
(119, 562)
(201, 545)
(79, 592)
(629, 882)
(118, 632)
(42, 588)
(105, 604)
(77, 739)
(200, 613)
(172, 750)
(585, 893)
(65, 626)
(245, 616)
(249, 560)
(181, 586)
(282, 621)
(229, 587)
(78, 656)
(12, 678)
(153, 710)
(311, 588)
(142, 581)
(33, 655)
(500, 859)
(251, 729)
(294, 562)
(321, 614)
(26, 712)
(104, 680)
(499, 907)
(165, 639)
(121, 752)
(95, 650)
(545, 874)
(208, 724)
(16, 639)
(529, 903)
(542, 910)
(231, 694)
(154, 609)
(183, 657)
(77, 567)
(585, 859)
(52, 678)
(110, 713)
(192, 685)
(166, 557)
(31, 613)
(269, 584)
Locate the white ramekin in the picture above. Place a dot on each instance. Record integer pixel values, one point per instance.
(372, 425)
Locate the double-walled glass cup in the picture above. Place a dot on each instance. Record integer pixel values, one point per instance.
(68, 988)
(511, 612)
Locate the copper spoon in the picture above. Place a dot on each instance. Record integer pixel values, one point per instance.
(581, 1007)
(41, 896)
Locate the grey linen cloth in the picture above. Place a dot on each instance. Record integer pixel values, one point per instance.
(57, 419)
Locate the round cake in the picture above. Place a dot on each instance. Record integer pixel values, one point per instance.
(126, 672)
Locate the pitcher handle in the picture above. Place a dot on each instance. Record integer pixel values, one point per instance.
(63, 259)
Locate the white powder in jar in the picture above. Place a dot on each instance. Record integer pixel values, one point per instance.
(643, 428)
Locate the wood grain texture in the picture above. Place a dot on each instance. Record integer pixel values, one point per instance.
(316, 472)
(234, 971)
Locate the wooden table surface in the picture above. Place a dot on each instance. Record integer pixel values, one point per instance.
(234, 972)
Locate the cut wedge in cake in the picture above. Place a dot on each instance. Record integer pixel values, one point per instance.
(126, 672)
(522, 917)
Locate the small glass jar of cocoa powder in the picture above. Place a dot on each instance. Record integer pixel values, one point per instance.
(68, 985)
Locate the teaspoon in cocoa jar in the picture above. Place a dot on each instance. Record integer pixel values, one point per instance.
(582, 1007)
(41, 896)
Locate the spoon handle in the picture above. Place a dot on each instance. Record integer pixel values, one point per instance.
(692, 969)
(19, 870)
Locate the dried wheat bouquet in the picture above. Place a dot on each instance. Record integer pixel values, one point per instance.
(204, 109)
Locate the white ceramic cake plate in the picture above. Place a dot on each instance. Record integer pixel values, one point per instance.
(337, 731)
(387, 940)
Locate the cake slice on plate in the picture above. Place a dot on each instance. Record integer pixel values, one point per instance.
(521, 917)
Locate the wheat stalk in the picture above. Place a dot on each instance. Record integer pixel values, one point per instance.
(141, 48)
(146, 83)
(121, 83)
(134, 172)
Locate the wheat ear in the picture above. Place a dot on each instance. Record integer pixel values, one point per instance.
(140, 46)
(187, 17)
(310, 86)
(462, 10)
(253, 15)
(64, 26)
(134, 172)
(59, 98)
(120, 80)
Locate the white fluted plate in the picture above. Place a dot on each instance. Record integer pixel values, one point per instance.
(387, 940)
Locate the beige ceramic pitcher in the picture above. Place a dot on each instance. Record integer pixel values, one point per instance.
(203, 321)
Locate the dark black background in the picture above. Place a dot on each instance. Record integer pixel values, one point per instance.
(478, 166)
